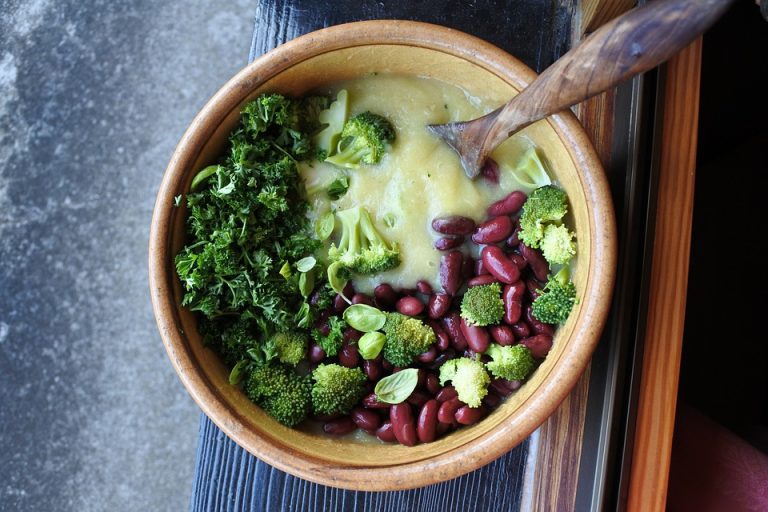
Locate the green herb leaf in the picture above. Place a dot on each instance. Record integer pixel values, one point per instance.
(238, 372)
(306, 264)
(338, 188)
(396, 388)
(177, 200)
(370, 344)
(337, 277)
(364, 318)
(324, 226)
(285, 270)
(203, 175)
(306, 283)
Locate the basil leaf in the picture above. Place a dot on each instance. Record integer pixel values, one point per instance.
(395, 388)
(306, 264)
(306, 283)
(337, 277)
(285, 270)
(203, 175)
(324, 225)
(238, 372)
(370, 344)
(364, 318)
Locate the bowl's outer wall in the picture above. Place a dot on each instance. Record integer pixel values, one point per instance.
(346, 52)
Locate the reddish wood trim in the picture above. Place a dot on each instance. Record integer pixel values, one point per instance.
(669, 278)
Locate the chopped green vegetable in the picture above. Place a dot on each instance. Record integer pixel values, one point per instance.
(557, 300)
(407, 337)
(364, 140)
(290, 347)
(396, 388)
(331, 344)
(281, 392)
(338, 188)
(370, 344)
(557, 245)
(337, 389)
(529, 172)
(361, 248)
(364, 318)
(482, 305)
(324, 225)
(332, 118)
(513, 362)
(468, 377)
(545, 205)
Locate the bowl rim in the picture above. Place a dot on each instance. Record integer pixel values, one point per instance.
(486, 447)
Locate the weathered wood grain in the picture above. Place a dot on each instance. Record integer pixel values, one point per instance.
(668, 285)
(595, 13)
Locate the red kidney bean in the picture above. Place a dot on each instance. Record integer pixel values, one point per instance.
(453, 225)
(502, 334)
(372, 370)
(493, 230)
(539, 345)
(438, 305)
(501, 267)
(443, 340)
(316, 353)
(500, 388)
(323, 327)
(449, 353)
(450, 272)
(424, 287)
(410, 306)
(432, 383)
(537, 326)
(385, 296)
(339, 304)
(361, 298)
(348, 355)
(477, 337)
(447, 411)
(366, 419)
(387, 365)
(426, 425)
(467, 415)
(467, 268)
(536, 262)
(445, 394)
(443, 428)
(351, 335)
(339, 427)
(513, 240)
(519, 261)
(403, 425)
(370, 401)
(521, 330)
(421, 376)
(481, 280)
(385, 432)
(328, 417)
(429, 355)
(480, 268)
(512, 297)
(534, 288)
(418, 398)
(508, 205)
(491, 400)
(490, 171)
(447, 243)
(452, 325)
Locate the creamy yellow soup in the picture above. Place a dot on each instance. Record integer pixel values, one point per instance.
(419, 179)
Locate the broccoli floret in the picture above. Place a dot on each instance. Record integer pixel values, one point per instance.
(468, 377)
(364, 140)
(407, 337)
(332, 118)
(530, 172)
(361, 248)
(482, 305)
(290, 347)
(331, 344)
(337, 388)
(557, 245)
(555, 303)
(281, 392)
(545, 204)
(511, 362)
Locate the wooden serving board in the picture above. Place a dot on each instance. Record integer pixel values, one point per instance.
(572, 461)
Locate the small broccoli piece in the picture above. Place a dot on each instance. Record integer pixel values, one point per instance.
(530, 172)
(290, 347)
(511, 362)
(364, 140)
(337, 388)
(361, 248)
(557, 300)
(557, 245)
(468, 377)
(407, 337)
(331, 344)
(545, 204)
(282, 393)
(482, 305)
(333, 119)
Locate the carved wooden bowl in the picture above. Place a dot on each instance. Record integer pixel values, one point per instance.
(349, 51)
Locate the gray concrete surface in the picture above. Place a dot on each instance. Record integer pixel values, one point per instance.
(94, 96)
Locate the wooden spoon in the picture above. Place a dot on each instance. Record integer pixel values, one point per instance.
(630, 44)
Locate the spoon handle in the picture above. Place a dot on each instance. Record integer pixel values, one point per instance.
(630, 44)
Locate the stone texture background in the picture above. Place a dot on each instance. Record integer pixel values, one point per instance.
(94, 96)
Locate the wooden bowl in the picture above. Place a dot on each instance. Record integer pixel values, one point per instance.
(349, 51)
